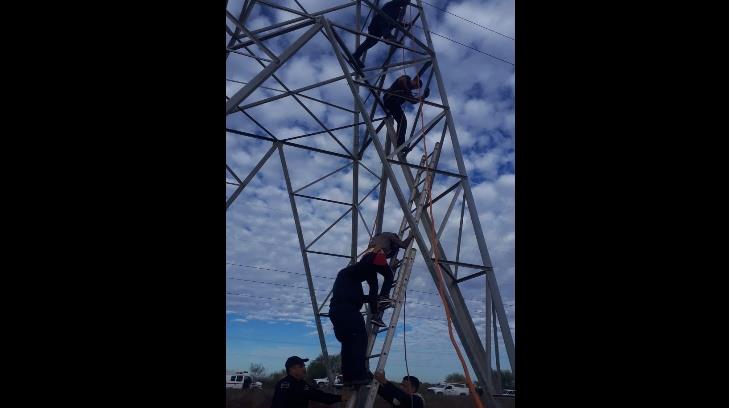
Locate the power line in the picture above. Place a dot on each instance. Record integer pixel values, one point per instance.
(324, 290)
(467, 46)
(299, 287)
(472, 22)
(303, 303)
(481, 300)
(275, 356)
(276, 284)
(244, 295)
(266, 298)
(315, 343)
(278, 270)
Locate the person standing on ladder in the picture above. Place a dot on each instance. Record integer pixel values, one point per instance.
(349, 325)
(382, 247)
(348, 298)
(380, 27)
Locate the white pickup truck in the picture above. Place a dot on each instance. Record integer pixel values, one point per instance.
(449, 389)
(323, 382)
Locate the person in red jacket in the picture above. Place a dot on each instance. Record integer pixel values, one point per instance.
(382, 247)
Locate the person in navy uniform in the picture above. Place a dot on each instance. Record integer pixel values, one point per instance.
(348, 298)
(406, 397)
(293, 392)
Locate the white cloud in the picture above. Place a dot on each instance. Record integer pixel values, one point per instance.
(260, 228)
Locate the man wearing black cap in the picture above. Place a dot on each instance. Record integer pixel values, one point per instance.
(293, 392)
(407, 397)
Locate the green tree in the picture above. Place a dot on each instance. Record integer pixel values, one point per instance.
(272, 379)
(507, 380)
(257, 371)
(315, 368)
(455, 378)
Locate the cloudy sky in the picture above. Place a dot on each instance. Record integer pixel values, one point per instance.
(269, 315)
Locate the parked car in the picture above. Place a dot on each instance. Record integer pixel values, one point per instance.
(323, 382)
(242, 380)
(449, 389)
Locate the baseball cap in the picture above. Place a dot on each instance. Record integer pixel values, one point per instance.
(294, 360)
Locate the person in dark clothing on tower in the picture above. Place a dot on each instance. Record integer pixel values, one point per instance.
(382, 247)
(399, 92)
(348, 298)
(349, 325)
(406, 397)
(293, 392)
(380, 27)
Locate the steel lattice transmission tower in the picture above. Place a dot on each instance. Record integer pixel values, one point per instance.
(335, 31)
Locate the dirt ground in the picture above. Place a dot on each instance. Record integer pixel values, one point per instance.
(262, 399)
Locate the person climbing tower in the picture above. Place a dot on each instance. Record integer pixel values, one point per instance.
(380, 27)
(406, 397)
(348, 298)
(349, 325)
(399, 92)
(382, 247)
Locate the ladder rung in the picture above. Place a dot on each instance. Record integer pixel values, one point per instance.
(324, 314)
(382, 330)
(374, 355)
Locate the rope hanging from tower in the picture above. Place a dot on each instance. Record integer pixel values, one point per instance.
(441, 280)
